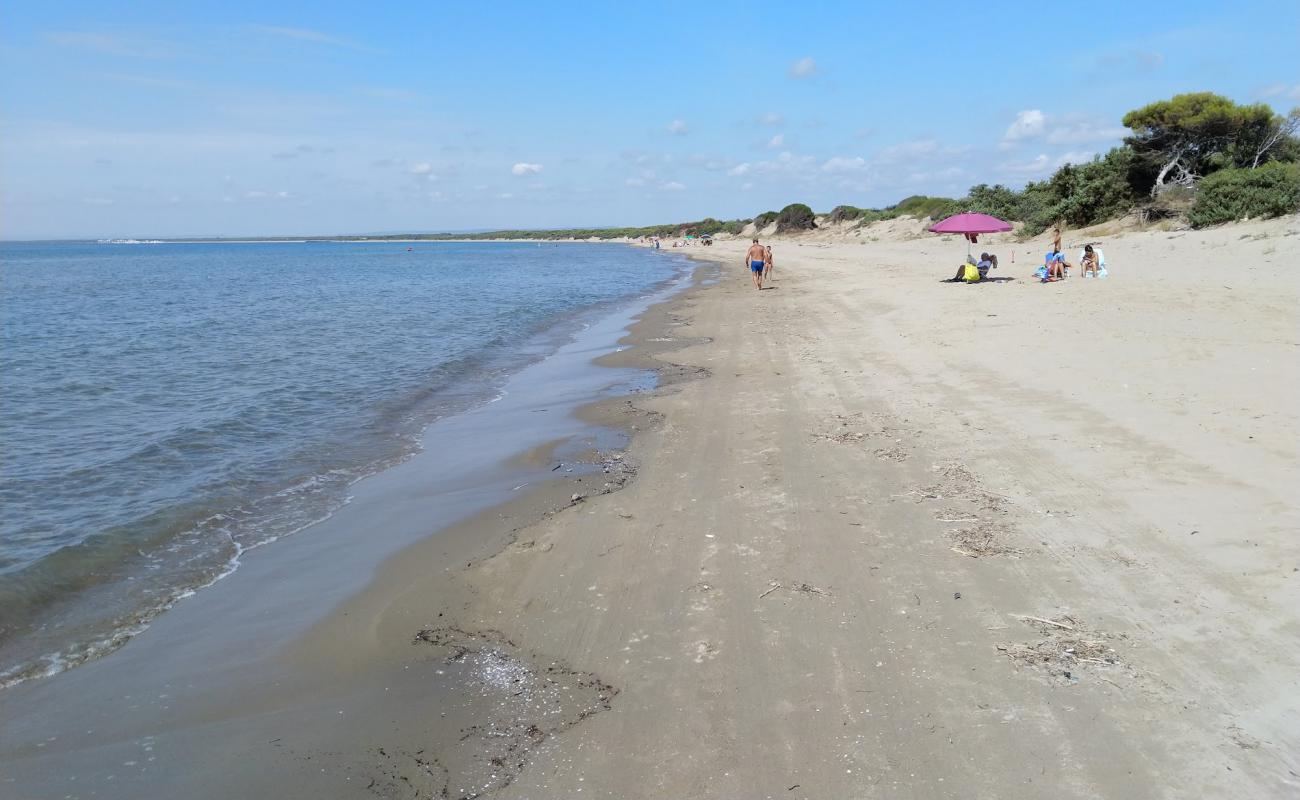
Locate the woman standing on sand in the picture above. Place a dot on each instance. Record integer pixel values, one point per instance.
(767, 262)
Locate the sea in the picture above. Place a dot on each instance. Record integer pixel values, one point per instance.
(165, 408)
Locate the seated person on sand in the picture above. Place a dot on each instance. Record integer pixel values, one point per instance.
(1052, 269)
(1093, 258)
(986, 263)
(961, 270)
(1089, 262)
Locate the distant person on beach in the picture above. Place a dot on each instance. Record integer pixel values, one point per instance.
(757, 258)
(767, 263)
(1056, 247)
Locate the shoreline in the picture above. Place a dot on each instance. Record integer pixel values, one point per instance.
(839, 571)
(34, 658)
(579, 453)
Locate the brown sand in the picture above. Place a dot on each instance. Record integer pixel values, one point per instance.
(918, 539)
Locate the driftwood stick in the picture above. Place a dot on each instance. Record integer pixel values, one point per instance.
(1045, 621)
(769, 591)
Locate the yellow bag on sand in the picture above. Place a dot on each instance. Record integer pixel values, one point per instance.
(971, 274)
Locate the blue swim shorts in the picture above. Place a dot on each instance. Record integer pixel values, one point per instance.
(756, 266)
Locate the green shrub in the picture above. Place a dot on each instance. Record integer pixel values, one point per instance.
(1231, 194)
(764, 219)
(795, 217)
(846, 213)
(921, 206)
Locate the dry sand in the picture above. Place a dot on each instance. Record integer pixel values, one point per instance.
(916, 539)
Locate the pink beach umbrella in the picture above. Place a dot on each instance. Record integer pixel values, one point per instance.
(970, 223)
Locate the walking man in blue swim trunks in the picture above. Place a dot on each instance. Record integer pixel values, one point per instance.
(756, 258)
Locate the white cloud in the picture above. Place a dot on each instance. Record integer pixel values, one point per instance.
(422, 168)
(710, 163)
(1280, 90)
(678, 127)
(740, 169)
(1072, 129)
(803, 68)
(1079, 131)
(308, 35)
(1028, 124)
(505, 196)
(672, 186)
(919, 148)
(840, 164)
(1075, 157)
(776, 142)
(634, 182)
(771, 118)
(97, 201)
(1039, 165)
(111, 44)
(523, 168)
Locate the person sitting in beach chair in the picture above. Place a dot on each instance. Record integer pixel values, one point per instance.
(1093, 259)
(1088, 262)
(969, 271)
(987, 262)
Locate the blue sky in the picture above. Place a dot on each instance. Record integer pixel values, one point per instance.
(172, 119)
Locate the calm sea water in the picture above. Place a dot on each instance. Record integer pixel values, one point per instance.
(165, 407)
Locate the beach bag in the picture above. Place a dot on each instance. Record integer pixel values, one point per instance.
(1102, 273)
(971, 273)
(1041, 273)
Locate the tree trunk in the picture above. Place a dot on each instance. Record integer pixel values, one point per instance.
(1176, 162)
(1285, 128)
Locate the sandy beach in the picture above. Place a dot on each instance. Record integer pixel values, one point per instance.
(917, 539)
(876, 535)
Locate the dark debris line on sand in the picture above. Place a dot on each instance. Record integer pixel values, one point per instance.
(528, 699)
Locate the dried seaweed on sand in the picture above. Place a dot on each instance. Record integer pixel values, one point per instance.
(1064, 646)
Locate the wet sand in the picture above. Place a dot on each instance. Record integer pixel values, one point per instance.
(875, 536)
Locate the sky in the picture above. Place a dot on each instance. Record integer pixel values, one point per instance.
(149, 119)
